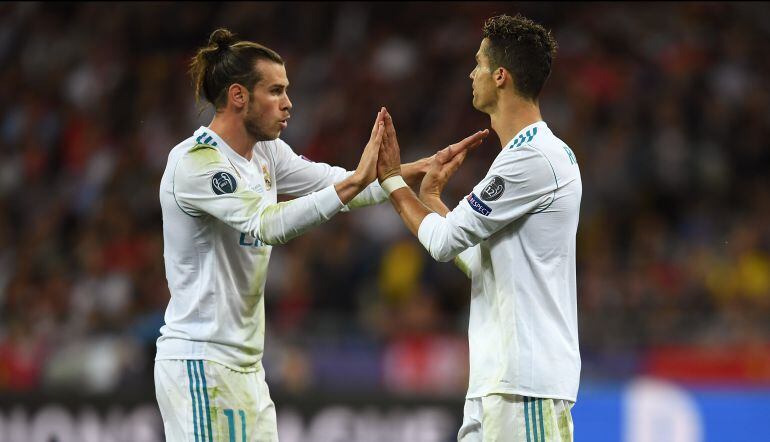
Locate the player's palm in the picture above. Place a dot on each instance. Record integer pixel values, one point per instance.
(367, 166)
(389, 162)
(439, 173)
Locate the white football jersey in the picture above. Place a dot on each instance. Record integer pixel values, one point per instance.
(516, 231)
(220, 221)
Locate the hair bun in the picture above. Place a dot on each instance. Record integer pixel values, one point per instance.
(222, 39)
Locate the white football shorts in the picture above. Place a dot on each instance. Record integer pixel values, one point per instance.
(514, 418)
(203, 401)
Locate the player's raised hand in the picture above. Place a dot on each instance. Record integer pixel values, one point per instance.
(446, 162)
(470, 142)
(389, 161)
(367, 166)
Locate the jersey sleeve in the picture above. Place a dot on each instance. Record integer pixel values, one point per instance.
(520, 181)
(468, 261)
(205, 183)
(297, 176)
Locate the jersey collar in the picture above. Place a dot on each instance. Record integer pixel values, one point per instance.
(527, 134)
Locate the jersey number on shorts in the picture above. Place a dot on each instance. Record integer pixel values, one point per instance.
(231, 424)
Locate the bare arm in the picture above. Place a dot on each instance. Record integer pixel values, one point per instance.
(412, 209)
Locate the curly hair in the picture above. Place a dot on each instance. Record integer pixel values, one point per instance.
(523, 47)
(224, 61)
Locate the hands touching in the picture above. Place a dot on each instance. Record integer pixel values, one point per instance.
(367, 166)
(441, 166)
(366, 171)
(389, 161)
(382, 159)
(446, 162)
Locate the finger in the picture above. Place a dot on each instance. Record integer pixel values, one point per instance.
(463, 145)
(472, 139)
(444, 155)
(390, 127)
(475, 145)
(377, 120)
(378, 136)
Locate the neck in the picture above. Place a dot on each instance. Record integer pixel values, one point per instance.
(230, 128)
(512, 115)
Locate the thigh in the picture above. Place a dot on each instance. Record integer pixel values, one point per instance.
(503, 418)
(177, 406)
(265, 423)
(549, 420)
(470, 431)
(525, 419)
(239, 404)
(562, 417)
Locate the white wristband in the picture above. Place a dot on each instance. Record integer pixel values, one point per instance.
(393, 183)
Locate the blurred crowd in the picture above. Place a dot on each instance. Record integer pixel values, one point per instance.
(666, 106)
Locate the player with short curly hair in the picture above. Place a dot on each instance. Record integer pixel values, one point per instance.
(514, 236)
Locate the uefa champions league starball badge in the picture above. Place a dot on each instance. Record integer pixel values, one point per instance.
(266, 176)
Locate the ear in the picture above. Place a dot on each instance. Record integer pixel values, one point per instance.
(500, 75)
(238, 95)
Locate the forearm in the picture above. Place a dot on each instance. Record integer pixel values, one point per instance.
(411, 210)
(413, 172)
(280, 222)
(434, 203)
(348, 188)
(373, 193)
(464, 261)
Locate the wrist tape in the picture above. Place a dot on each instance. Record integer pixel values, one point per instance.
(393, 183)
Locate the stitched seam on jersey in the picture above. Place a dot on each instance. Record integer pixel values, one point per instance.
(553, 198)
(502, 345)
(546, 158)
(554, 178)
(173, 190)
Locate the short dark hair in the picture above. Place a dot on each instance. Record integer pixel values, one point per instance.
(523, 47)
(224, 61)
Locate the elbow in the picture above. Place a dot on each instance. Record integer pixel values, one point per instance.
(276, 238)
(271, 238)
(273, 241)
(442, 255)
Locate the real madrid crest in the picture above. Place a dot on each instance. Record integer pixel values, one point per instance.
(266, 176)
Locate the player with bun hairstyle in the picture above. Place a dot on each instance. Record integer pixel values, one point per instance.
(221, 218)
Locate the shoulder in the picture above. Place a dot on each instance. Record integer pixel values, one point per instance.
(203, 150)
(204, 153)
(526, 157)
(525, 163)
(539, 144)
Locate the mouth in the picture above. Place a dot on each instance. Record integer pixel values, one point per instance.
(284, 123)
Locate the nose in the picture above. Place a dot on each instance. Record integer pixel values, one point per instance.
(287, 104)
(471, 74)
